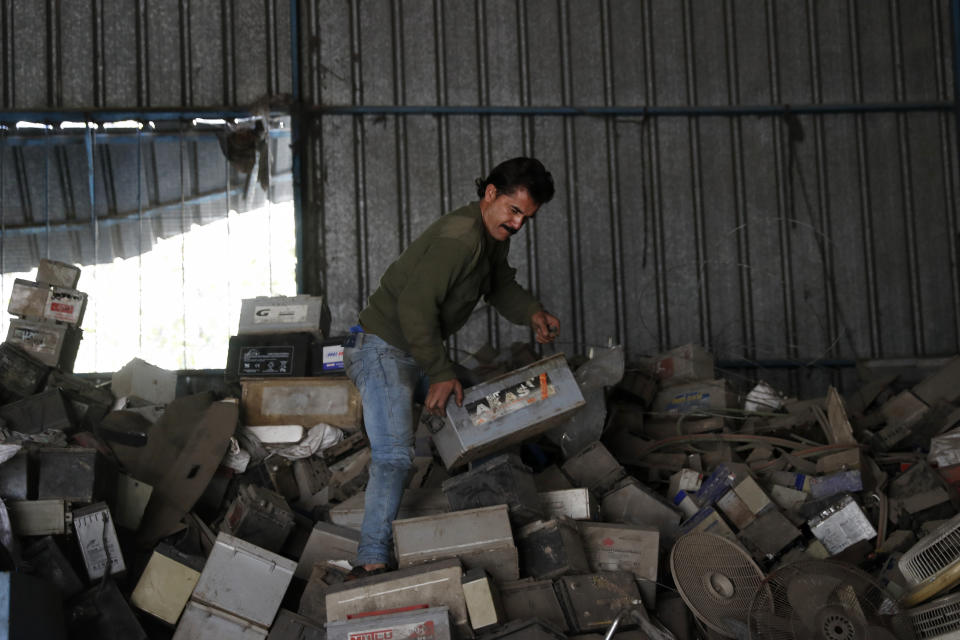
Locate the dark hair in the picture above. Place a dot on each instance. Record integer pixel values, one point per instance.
(528, 173)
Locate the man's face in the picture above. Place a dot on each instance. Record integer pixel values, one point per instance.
(504, 214)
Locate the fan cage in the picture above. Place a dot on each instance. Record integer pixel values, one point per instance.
(933, 554)
(773, 617)
(938, 620)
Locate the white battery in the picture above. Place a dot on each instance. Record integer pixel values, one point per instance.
(327, 542)
(480, 538)
(38, 517)
(244, 579)
(506, 410)
(624, 547)
(200, 622)
(144, 381)
(58, 274)
(98, 540)
(166, 584)
(41, 302)
(841, 525)
(131, 502)
(437, 584)
(302, 401)
(594, 468)
(576, 504)
(429, 623)
(483, 599)
(688, 480)
(53, 344)
(285, 314)
(414, 503)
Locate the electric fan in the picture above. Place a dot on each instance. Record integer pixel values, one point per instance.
(937, 620)
(825, 600)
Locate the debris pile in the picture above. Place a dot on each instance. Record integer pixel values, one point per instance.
(565, 498)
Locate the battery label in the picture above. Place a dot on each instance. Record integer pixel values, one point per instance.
(333, 357)
(64, 306)
(417, 631)
(280, 314)
(266, 361)
(509, 399)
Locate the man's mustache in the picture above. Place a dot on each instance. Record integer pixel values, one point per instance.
(510, 230)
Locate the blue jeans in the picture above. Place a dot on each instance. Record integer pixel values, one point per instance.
(388, 380)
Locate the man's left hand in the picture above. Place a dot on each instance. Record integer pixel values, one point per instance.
(545, 326)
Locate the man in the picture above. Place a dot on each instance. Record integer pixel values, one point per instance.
(425, 296)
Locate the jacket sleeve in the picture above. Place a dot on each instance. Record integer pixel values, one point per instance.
(512, 301)
(418, 305)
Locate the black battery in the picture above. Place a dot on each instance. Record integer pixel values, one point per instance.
(46, 560)
(259, 516)
(326, 356)
(272, 355)
(90, 403)
(501, 480)
(552, 548)
(15, 479)
(103, 613)
(291, 626)
(530, 629)
(21, 374)
(592, 601)
(74, 474)
(39, 412)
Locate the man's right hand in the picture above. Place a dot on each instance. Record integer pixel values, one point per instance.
(439, 392)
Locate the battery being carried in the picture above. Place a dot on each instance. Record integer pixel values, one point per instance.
(506, 410)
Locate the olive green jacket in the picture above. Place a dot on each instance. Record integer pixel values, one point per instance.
(429, 292)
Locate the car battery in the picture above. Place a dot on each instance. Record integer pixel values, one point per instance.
(131, 501)
(292, 626)
(55, 345)
(201, 622)
(592, 601)
(501, 480)
(415, 503)
(632, 503)
(709, 520)
(420, 623)
(38, 517)
(529, 598)
(260, 516)
(436, 584)
(841, 525)
(45, 410)
(326, 357)
(480, 538)
(74, 474)
(347, 476)
(47, 561)
(903, 412)
(576, 504)
(145, 383)
(278, 355)
(552, 479)
(89, 402)
(552, 548)
(30, 608)
(594, 468)
(685, 364)
(38, 301)
(724, 476)
(58, 274)
(735, 510)
(302, 401)
(327, 542)
(98, 541)
(15, 477)
(244, 579)
(506, 410)
(768, 535)
(103, 612)
(166, 583)
(624, 547)
(693, 398)
(21, 374)
(483, 600)
(753, 496)
(834, 483)
(285, 314)
(528, 629)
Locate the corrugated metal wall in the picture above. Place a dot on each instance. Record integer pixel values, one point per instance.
(826, 232)
(144, 54)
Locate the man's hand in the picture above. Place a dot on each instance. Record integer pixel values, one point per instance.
(545, 326)
(439, 392)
